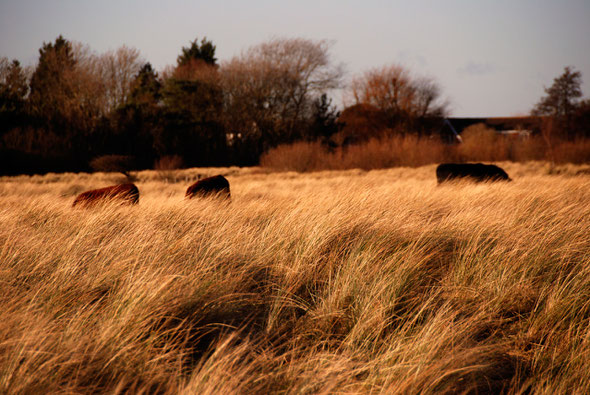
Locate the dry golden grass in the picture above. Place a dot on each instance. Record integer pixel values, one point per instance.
(336, 281)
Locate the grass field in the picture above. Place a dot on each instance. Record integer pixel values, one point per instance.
(337, 281)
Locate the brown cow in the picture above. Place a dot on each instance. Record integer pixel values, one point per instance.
(210, 186)
(124, 193)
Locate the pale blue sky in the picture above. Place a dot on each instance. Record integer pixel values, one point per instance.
(491, 58)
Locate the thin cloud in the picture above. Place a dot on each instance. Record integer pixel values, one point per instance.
(477, 69)
(412, 58)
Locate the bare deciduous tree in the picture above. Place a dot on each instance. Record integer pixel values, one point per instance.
(118, 69)
(427, 101)
(388, 88)
(270, 88)
(393, 90)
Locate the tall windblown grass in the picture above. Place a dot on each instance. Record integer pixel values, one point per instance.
(340, 281)
(412, 151)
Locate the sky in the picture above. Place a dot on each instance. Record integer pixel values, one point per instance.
(490, 57)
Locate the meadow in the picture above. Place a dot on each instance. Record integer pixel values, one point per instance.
(341, 281)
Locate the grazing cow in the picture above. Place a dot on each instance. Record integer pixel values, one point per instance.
(473, 171)
(124, 193)
(216, 185)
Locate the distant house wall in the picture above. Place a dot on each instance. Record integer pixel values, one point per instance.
(500, 124)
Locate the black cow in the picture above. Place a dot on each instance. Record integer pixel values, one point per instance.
(123, 193)
(210, 186)
(473, 171)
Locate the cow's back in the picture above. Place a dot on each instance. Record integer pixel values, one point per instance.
(474, 171)
(123, 193)
(216, 185)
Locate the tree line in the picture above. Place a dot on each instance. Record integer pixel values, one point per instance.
(77, 109)
(75, 105)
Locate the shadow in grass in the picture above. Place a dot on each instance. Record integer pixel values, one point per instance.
(197, 325)
(492, 372)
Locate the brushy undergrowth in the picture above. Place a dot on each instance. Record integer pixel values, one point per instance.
(479, 144)
(342, 281)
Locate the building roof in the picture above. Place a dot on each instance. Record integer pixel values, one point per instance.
(498, 123)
